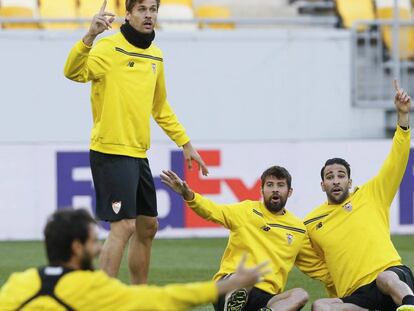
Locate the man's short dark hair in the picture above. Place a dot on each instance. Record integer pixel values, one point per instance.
(129, 4)
(63, 227)
(339, 161)
(278, 172)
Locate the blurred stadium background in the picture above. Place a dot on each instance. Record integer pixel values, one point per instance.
(255, 83)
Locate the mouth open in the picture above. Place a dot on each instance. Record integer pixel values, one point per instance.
(275, 199)
(336, 191)
(148, 25)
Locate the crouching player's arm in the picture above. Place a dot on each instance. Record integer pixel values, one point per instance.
(226, 215)
(309, 262)
(118, 296)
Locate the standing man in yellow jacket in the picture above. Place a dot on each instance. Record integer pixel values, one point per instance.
(351, 231)
(69, 282)
(265, 230)
(128, 86)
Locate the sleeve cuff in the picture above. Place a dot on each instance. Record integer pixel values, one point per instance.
(182, 140)
(405, 131)
(196, 197)
(83, 47)
(212, 290)
(404, 128)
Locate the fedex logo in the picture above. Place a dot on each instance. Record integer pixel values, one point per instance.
(75, 186)
(407, 193)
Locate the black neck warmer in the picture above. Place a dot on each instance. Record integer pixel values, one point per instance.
(136, 38)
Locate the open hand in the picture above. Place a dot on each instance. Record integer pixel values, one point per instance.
(172, 180)
(249, 277)
(243, 277)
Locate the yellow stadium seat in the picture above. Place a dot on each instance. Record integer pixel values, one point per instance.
(184, 15)
(17, 12)
(353, 10)
(59, 9)
(88, 8)
(406, 34)
(120, 8)
(30, 4)
(214, 11)
(178, 2)
(120, 5)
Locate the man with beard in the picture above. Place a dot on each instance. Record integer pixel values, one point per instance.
(70, 283)
(128, 86)
(263, 230)
(351, 231)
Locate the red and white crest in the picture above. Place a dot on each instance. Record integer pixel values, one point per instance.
(116, 206)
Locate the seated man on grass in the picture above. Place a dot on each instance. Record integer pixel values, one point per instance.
(69, 281)
(263, 230)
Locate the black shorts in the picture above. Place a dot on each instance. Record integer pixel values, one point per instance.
(370, 297)
(124, 187)
(257, 299)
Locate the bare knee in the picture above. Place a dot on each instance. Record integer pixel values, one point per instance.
(295, 298)
(300, 296)
(317, 305)
(326, 304)
(386, 279)
(320, 305)
(123, 229)
(146, 227)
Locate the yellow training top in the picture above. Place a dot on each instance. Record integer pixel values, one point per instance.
(128, 85)
(254, 230)
(94, 290)
(354, 237)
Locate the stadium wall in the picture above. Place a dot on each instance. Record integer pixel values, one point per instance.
(244, 85)
(38, 178)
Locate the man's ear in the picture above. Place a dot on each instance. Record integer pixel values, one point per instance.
(350, 183)
(290, 192)
(323, 187)
(77, 248)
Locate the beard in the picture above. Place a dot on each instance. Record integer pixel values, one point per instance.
(86, 262)
(338, 200)
(275, 207)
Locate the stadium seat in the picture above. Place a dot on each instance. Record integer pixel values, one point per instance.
(214, 11)
(12, 11)
(188, 3)
(19, 8)
(406, 35)
(352, 10)
(180, 12)
(59, 9)
(120, 5)
(120, 8)
(88, 8)
(30, 4)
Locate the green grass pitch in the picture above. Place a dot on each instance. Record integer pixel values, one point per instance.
(176, 261)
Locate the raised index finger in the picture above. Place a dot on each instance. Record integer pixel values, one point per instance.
(102, 10)
(396, 86)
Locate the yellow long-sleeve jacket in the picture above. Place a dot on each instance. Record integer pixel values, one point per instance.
(94, 290)
(354, 237)
(128, 86)
(254, 230)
